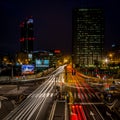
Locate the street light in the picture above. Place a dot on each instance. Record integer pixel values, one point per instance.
(106, 62)
(110, 55)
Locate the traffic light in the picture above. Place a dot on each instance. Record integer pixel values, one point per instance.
(73, 72)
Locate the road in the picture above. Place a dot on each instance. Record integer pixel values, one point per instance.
(84, 100)
(85, 103)
(35, 106)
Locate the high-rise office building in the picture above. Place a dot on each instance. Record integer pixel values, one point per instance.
(87, 36)
(27, 35)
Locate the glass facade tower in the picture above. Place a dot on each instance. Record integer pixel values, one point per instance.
(87, 36)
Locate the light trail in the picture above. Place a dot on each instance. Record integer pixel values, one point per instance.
(36, 101)
(86, 95)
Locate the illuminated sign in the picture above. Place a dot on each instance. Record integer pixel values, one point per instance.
(57, 51)
(30, 21)
(27, 69)
(42, 63)
(30, 56)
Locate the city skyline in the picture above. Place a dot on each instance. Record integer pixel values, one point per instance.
(52, 23)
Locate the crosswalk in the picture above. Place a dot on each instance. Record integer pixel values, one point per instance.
(75, 95)
(80, 96)
(42, 95)
(84, 96)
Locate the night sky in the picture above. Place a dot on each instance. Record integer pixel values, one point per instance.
(52, 22)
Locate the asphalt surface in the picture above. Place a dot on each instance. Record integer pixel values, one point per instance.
(60, 111)
(11, 96)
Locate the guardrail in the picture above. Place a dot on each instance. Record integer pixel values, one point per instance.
(25, 79)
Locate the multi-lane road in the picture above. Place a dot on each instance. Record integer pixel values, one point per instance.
(85, 103)
(35, 106)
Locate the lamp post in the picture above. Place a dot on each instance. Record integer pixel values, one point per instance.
(106, 62)
(111, 55)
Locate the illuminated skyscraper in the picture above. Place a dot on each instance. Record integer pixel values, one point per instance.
(87, 36)
(27, 35)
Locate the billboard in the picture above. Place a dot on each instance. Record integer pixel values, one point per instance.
(42, 63)
(28, 69)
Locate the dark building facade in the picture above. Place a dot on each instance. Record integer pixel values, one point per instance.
(115, 53)
(27, 35)
(87, 36)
